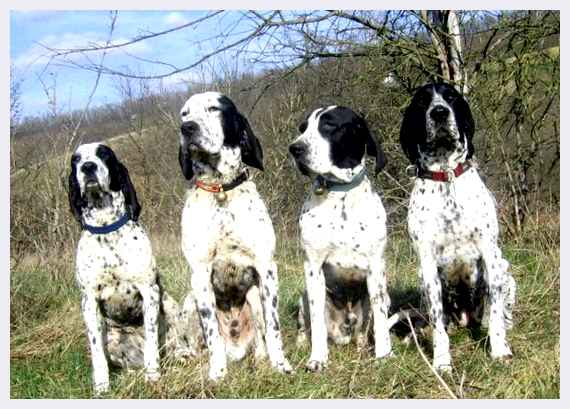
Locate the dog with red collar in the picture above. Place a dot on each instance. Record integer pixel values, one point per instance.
(227, 234)
(452, 221)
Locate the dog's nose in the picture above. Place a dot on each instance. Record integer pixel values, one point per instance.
(89, 168)
(234, 323)
(297, 149)
(188, 128)
(439, 113)
(234, 332)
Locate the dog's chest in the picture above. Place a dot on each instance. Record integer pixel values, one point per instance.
(239, 225)
(121, 256)
(454, 217)
(343, 220)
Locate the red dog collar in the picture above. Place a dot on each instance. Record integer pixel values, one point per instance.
(441, 176)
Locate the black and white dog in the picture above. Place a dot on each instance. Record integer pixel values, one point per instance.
(227, 235)
(343, 231)
(123, 305)
(452, 221)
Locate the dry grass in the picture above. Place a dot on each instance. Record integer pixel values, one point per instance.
(49, 355)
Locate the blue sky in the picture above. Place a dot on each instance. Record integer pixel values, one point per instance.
(67, 29)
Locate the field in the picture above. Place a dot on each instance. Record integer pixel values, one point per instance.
(49, 355)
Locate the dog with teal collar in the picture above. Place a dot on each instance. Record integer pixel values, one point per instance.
(343, 234)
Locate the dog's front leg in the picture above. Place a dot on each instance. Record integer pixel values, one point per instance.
(151, 307)
(379, 303)
(206, 301)
(268, 281)
(432, 287)
(498, 280)
(95, 327)
(316, 293)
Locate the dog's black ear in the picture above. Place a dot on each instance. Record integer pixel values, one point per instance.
(465, 122)
(185, 162)
(412, 131)
(121, 181)
(131, 202)
(373, 147)
(251, 152)
(76, 202)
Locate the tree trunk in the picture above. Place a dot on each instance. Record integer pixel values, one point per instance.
(443, 27)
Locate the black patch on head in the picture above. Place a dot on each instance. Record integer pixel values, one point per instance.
(237, 132)
(120, 180)
(413, 133)
(350, 138)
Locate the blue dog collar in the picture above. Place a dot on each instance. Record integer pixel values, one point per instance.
(340, 186)
(110, 227)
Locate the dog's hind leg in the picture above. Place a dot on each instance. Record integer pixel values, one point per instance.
(302, 320)
(254, 299)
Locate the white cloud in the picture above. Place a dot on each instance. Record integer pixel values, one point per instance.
(175, 18)
(38, 54)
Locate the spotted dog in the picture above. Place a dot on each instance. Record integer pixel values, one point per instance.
(123, 305)
(342, 223)
(227, 235)
(452, 222)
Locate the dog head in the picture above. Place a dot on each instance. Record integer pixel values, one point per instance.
(333, 142)
(215, 138)
(96, 176)
(438, 127)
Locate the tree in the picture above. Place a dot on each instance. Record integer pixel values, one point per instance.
(15, 101)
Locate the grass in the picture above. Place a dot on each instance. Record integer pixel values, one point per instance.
(49, 355)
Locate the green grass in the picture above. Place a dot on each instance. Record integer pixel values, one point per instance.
(50, 359)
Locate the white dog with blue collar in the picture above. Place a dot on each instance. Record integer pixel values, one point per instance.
(123, 305)
(343, 226)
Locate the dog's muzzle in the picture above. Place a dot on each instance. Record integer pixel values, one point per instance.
(189, 129)
(298, 151)
(439, 114)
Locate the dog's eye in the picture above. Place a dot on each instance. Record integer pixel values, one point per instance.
(329, 126)
(303, 126)
(184, 113)
(449, 95)
(75, 158)
(424, 100)
(213, 109)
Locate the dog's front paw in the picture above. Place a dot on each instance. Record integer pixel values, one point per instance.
(216, 372)
(101, 388)
(284, 367)
(152, 376)
(383, 352)
(315, 365)
(502, 354)
(442, 363)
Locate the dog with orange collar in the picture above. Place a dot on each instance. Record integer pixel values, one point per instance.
(227, 235)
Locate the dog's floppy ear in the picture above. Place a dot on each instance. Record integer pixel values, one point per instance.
(76, 202)
(185, 162)
(465, 122)
(373, 147)
(251, 152)
(413, 128)
(121, 181)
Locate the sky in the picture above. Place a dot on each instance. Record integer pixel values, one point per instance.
(31, 31)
